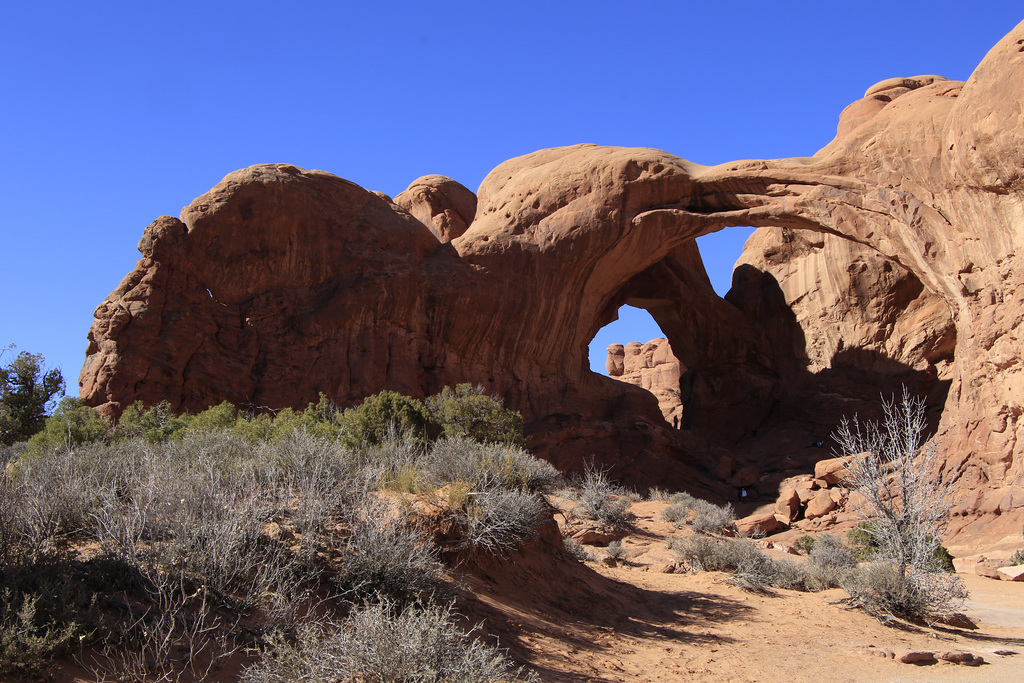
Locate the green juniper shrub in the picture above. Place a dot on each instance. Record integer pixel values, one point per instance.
(467, 412)
(804, 545)
(862, 541)
(224, 415)
(384, 413)
(72, 424)
(155, 424)
(865, 546)
(26, 394)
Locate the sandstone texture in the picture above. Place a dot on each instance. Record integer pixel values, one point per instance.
(651, 366)
(892, 256)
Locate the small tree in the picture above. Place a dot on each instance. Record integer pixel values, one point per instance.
(898, 472)
(27, 393)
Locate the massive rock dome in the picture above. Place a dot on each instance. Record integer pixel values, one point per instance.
(892, 256)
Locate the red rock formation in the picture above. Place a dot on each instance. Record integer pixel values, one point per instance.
(651, 366)
(280, 283)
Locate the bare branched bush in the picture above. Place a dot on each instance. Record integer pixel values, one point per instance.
(898, 473)
(602, 501)
(884, 589)
(382, 641)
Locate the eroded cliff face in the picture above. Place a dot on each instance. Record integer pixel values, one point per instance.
(281, 283)
(653, 367)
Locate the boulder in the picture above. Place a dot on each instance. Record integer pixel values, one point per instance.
(831, 472)
(1014, 573)
(917, 657)
(747, 476)
(787, 506)
(819, 506)
(442, 204)
(759, 523)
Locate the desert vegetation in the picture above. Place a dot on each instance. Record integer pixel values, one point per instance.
(897, 471)
(27, 392)
(159, 548)
(907, 573)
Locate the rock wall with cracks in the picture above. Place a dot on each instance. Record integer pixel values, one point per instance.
(281, 283)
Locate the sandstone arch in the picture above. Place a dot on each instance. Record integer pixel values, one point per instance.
(281, 282)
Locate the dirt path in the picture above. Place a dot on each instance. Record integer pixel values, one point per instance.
(635, 622)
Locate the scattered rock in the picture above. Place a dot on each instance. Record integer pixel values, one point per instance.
(959, 657)
(956, 620)
(1014, 573)
(919, 657)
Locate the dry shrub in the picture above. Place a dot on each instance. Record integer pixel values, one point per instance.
(830, 563)
(600, 500)
(749, 568)
(385, 556)
(705, 517)
(383, 641)
(578, 551)
(498, 520)
(487, 466)
(886, 590)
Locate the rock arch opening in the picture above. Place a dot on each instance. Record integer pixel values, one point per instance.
(617, 352)
(720, 251)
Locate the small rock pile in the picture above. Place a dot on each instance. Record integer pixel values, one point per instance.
(808, 502)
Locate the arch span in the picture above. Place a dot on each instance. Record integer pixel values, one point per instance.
(280, 283)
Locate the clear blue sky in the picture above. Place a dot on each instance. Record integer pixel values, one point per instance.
(116, 113)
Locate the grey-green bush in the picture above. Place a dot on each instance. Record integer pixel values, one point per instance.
(601, 500)
(382, 641)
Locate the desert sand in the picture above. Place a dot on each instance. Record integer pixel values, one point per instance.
(636, 622)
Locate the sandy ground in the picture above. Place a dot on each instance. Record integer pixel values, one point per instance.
(635, 622)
